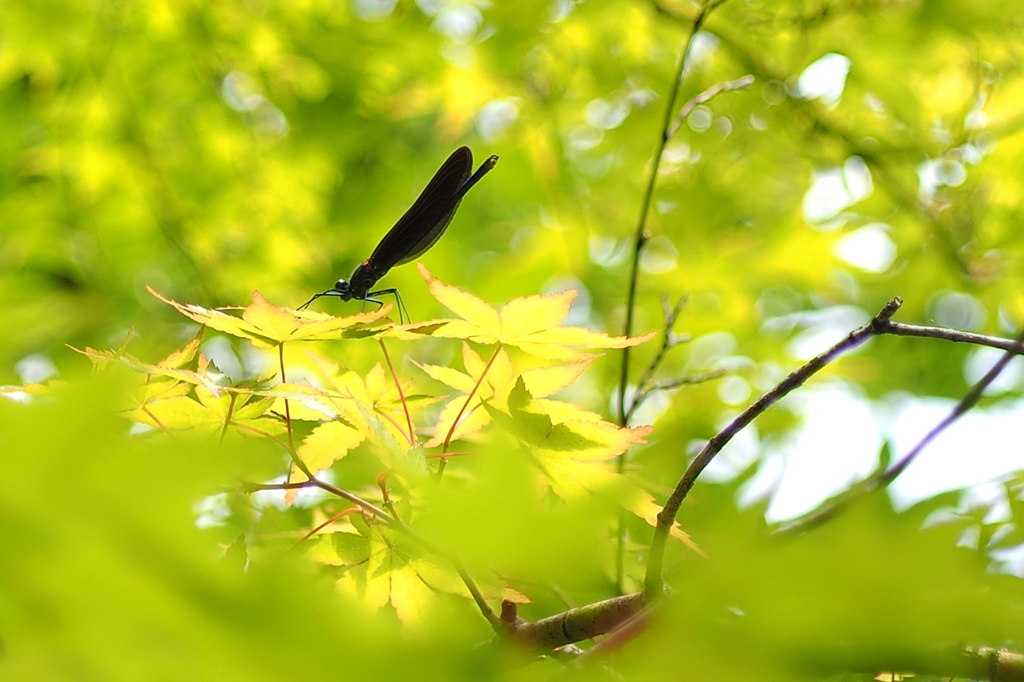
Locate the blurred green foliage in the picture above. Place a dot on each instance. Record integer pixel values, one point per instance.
(212, 149)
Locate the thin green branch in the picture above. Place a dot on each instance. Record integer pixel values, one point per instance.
(640, 233)
(145, 408)
(669, 340)
(646, 387)
(639, 240)
(672, 384)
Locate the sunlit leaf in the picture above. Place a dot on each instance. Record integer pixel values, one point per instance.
(532, 323)
(339, 549)
(268, 325)
(327, 444)
(499, 380)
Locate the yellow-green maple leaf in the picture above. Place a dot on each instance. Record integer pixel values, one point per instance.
(576, 455)
(497, 383)
(206, 411)
(531, 323)
(268, 325)
(385, 567)
(166, 375)
(361, 408)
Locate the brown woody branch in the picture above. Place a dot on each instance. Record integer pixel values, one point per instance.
(653, 583)
(568, 627)
(884, 477)
(994, 665)
(881, 324)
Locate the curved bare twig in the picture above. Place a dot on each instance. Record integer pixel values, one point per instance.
(884, 478)
(653, 581)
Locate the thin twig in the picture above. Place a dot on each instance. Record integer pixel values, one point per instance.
(669, 340)
(899, 329)
(966, 403)
(261, 432)
(672, 384)
(391, 420)
(653, 581)
(442, 455)
(314, 482)
(316, 529)
(709, 94)
(883, 478)
(248, 487)
(355, 499)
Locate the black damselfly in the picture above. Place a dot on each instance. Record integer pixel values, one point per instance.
(415, 232)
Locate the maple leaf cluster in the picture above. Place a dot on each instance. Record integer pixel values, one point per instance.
(572, 450)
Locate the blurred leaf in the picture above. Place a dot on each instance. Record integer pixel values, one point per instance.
(870, 591)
